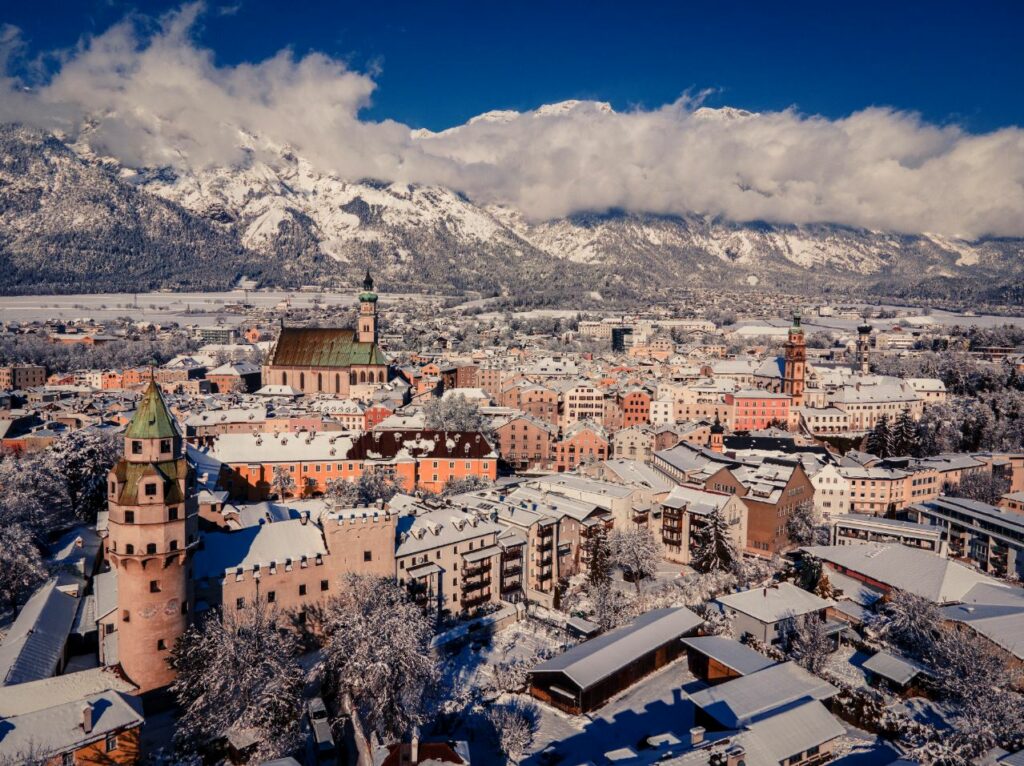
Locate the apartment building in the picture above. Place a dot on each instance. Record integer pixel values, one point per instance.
(855, 529)
(684, 513)
(990, 537)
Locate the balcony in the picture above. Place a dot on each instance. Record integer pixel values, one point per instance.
(546, 531)
(546, 560)
(471, 602)
(512, 571)
(474, 569)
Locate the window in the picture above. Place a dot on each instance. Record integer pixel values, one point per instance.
(129, 549)
(367, 556)
(111, 743)
(154, 586)
(113, 487)
(129, 517)
(172, 514)
(150, 547)
(165, 446)
(136, 448)
(160, 644)
(271, 596)
(239, 603)
(125, 616)
(150, 490)
(68, 759)
(324, 585)
(174, 545)
(302, 590)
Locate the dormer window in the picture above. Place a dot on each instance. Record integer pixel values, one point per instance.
(150, 490)
(165, 446)
(136, 447)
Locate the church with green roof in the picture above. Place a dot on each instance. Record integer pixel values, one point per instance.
(333, 360)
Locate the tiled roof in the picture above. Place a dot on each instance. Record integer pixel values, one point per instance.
(151, 419)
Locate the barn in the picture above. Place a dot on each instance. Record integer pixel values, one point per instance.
(587, 676)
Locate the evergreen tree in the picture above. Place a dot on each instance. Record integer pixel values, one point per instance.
(599, 552)
(904, 435)
(880, 438)
(715, 550)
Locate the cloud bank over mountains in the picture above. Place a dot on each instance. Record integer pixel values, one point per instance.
(145, 93)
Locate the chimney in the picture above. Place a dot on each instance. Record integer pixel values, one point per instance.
(736, 756)
(304, 518)
(696, 735)
(414, 746)
(87, 718)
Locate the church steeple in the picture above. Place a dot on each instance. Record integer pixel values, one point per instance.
(367, 331)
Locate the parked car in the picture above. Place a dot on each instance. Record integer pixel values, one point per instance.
(320, 747)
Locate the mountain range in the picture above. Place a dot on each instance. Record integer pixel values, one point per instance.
(71, 221)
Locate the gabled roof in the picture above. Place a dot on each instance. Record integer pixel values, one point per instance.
(769, 605)
(323, 347)
(152, 420)
(34, 645)
(600, 657)
(750, 698)
(920, 572)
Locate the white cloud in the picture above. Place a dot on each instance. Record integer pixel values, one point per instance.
(151, 96)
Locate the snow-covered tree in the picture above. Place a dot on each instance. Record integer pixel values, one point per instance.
(239, 672)
(599, 557)
(981, 485)
(342, 493)
(716, 623)
(374, 486)
(515, 724)
(283, 483)
(21, 567)
(80, 462)
(879, 441)
(611, 607)
(637, 551)
(802, 526)
(715, 550)
(456, 413)
(377, 655)
(908, 621)
(904, 435)
(468, 484)
(806, 642)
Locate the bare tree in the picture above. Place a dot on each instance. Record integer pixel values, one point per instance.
(21, 567)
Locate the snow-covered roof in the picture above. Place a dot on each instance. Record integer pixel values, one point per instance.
(34, 644)
(771, 604)
(58, 728)
(729, 652)
(750, 698)
(225, 552)
(776, 739)
(995, 612)
(57, 690)
(900, 670)
(600, 657)
(920, 572)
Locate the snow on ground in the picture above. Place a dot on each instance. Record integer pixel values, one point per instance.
(656, 705)
(848, 664)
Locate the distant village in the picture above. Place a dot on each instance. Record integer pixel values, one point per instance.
(428, 532)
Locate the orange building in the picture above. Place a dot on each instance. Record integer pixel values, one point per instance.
(412, 459)
(584, 441)
(524, 441)
(634, 407)
(755, 409)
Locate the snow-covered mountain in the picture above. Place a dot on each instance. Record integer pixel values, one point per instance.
(279, 219)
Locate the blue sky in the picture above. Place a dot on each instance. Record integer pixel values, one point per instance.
(439, 63)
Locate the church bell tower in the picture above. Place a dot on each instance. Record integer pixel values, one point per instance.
(795, 363)
(367, 332)
(153, 530)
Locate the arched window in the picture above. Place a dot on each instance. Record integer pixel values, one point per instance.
(284, 378)
(302, 381)
(129, 549)
(380, 376)
(151, 548)
(319, 382)
(337, 383)
(362, 376)
(352, 378)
